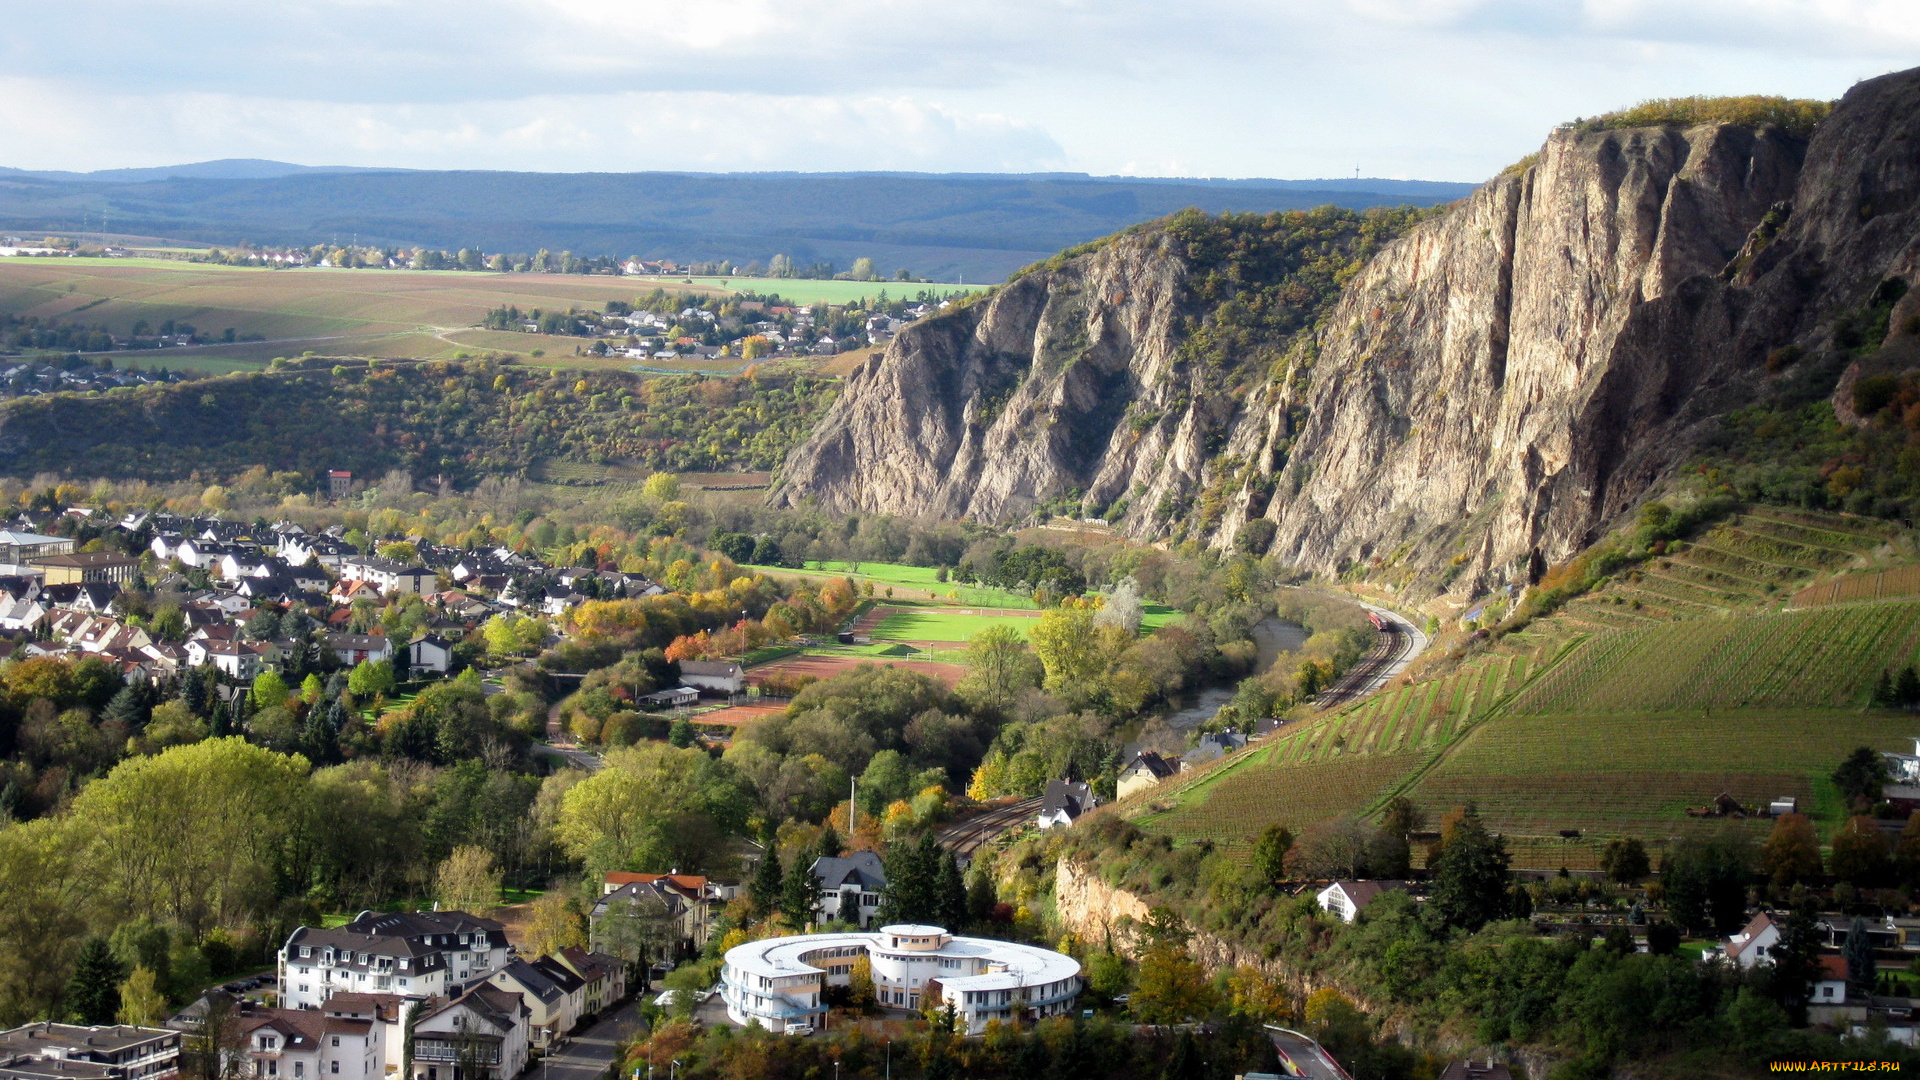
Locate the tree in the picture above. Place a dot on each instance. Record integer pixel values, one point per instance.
(1170, 987)
(212, 1048)
(1792, 851)
(1122, 607)
(1861, 776)
(766, 887)
(949, 892)
(1860, 856)
(1862, 969)
(1625, 860)
(638, 930)
(661, 487)
(371, 678)
(468, 881)
(269, 690)
(1796, 960)
(681, 733)
(799, 896)
(93, 992)
(1470, 874)
(141, 1002)
(1705, 880)
(1906, 688)
(911, 894)
(1270, 854)
(553, 923)
(999, 668)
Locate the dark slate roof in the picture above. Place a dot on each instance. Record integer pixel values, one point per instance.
(1070, 796)
(533, 980)
(862, 868)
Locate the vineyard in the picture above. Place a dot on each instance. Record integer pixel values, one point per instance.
(1821, 658)
(1886, 585)
(1637, 775)
(1678, 679)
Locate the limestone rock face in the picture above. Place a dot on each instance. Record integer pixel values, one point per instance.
(1490, 392)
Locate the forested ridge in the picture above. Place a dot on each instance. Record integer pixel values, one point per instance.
(461, 421)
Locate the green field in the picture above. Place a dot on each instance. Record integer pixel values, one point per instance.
(917, 583)
(1609, 717)
(940, 626)
(810, 291)
(396, 314)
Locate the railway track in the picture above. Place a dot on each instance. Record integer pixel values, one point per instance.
(1364, 677)
(969, 835)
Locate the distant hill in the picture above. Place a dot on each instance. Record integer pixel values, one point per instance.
(223, 169)
(941, 226)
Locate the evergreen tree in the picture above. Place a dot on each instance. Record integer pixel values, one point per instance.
(1470, 875)
(128, 707)
(1906, 688)
(829, 845)
(321, 739)
(981, 898)
(950, 893)
(93, 992)
(1861, 967)
(1795, 961)
(1883, 693)
(193, 692)
(799, 895)
(912, 880)
(1861, 776)
(764, 888)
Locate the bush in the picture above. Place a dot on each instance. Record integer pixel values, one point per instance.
(1798, 116)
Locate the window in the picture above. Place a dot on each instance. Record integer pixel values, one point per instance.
(299, 1068)
(336, 1068)
(336, 1040)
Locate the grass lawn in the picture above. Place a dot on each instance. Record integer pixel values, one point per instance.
(1155, 616)
(915, 583)
(939, 626)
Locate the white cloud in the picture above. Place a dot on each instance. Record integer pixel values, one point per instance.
(1439, 88)
(703, 130)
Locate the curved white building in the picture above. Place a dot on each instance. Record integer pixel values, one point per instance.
(778, 982)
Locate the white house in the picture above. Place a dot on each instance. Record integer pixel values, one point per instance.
(389, 577)
(553, 995)
(1753, 945)
(1348, 899)
(353, 648)
(1145, 770)
(778, 982)
(1064, 802)
(850, 887)
(486, 1027)
(430, 653)
(299, 1044)
(421, 954)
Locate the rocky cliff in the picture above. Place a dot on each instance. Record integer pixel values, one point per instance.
(1486, 393)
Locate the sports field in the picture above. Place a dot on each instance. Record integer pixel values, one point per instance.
(942, 626)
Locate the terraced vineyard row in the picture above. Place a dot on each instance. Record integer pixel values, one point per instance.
(1820, 658)
(1888, 584)
(1242, 803)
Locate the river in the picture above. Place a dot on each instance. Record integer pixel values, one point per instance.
(1271, 636)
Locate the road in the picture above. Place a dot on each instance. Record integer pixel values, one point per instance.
(1306, 1057)
(560, 744)
(588, 1054)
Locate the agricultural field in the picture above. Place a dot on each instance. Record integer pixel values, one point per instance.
(1823, 658)
(1609, 717)
(1853, 588)
(1635, 775)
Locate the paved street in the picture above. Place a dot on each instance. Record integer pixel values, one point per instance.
(587, 1055)
(1305, 1057)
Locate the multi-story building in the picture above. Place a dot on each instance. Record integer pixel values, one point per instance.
(303, 1044)
(778, 982)
(422, 954)
(553, 995)
(480, 1035)
(107, 1052)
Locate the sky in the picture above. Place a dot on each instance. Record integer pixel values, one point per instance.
(1418, 89)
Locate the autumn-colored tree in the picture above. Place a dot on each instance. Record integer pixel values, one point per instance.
(1792, 852)
(1860, 853)
(1170, 987)
(553, 923)
(468, 880)
(141, 1002)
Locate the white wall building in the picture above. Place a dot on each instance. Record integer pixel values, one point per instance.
(422, 954)
(778, 982)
